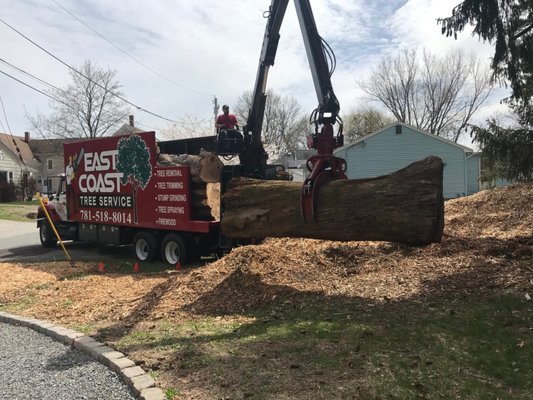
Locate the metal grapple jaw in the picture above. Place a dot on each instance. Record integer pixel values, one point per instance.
(323, 168)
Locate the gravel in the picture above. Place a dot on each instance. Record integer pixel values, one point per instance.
(33, 366)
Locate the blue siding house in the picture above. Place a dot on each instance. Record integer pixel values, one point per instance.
(398, 145)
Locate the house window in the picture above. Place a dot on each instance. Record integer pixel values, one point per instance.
(3, 176)
(10, 177)
(50, 164)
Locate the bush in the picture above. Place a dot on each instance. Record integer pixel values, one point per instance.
(26, 188)
(8, 192)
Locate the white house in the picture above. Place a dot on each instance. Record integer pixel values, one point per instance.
(16, 160)
(398, 145)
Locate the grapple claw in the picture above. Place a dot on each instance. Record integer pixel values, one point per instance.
(323, 169)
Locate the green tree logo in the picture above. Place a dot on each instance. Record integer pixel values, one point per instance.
(133, 160)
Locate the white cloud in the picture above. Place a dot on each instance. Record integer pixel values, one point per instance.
(211, 47)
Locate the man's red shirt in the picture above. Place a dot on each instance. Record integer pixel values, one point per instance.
(228, 120)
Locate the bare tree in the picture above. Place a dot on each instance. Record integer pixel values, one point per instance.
(88, 107)
(189, 126)
(285, 126)
(437, 94)
(364, 120)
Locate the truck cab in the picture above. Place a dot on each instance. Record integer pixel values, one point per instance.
(56, 205)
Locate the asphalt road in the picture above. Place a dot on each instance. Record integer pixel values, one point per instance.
(19, 242)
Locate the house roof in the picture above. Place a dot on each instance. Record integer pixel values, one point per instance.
(126, 129)
(45, 147)
(18, 147)
(464, 148)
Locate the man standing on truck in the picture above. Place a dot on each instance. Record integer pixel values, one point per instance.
(226, 120)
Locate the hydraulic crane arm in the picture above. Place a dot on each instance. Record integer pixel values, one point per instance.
(315, 47)
(254, 155)
(323, 166)
(328, 105)
(275, 16)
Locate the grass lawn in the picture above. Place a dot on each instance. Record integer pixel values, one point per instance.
(446, 347)
(19, 210)
(467, 349)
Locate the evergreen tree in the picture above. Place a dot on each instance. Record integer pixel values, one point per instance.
(509, 25)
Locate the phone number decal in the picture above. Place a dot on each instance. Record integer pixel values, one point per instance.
(115, 217)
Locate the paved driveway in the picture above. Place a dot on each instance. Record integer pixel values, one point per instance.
(15, 234)
(19, 242)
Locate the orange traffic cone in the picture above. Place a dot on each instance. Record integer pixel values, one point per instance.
(101, 267)
(136, 267)
(178, 266)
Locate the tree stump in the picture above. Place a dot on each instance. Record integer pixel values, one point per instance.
(406, 206)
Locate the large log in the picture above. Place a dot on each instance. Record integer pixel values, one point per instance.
(406, 207)
(204, 167)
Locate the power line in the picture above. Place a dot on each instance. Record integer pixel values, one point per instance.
(128, 54)
(39, 91)
(31, 76)
(86, 77)
(62, 91)
(5, 116)
(64, 103)
(12, 137)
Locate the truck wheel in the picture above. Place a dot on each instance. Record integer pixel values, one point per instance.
(46, 235)
(173, 249)
(145, 246)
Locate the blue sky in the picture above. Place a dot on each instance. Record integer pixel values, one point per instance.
(207, 48)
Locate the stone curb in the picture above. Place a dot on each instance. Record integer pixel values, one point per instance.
(140, 382)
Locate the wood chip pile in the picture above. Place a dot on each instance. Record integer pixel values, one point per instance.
(487, 248)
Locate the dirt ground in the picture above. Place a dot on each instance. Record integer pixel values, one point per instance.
(488, 237)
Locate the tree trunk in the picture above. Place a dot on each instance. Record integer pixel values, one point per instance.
(205, 167)
(406, 207)
(205, 201)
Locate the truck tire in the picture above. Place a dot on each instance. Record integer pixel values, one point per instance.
(145, 246)
(173, 249)
(46, 235)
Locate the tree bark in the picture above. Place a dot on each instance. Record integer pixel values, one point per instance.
(406, 206)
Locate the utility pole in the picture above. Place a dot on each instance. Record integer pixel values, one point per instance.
(215, 109)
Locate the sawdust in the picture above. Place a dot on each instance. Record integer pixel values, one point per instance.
(488, 237)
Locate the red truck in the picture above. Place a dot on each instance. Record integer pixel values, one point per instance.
(115, 192)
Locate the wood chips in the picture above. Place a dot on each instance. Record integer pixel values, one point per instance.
(487, 247)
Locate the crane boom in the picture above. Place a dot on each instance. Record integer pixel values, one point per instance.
(314, 46)
(328, 105)
(323, 166)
